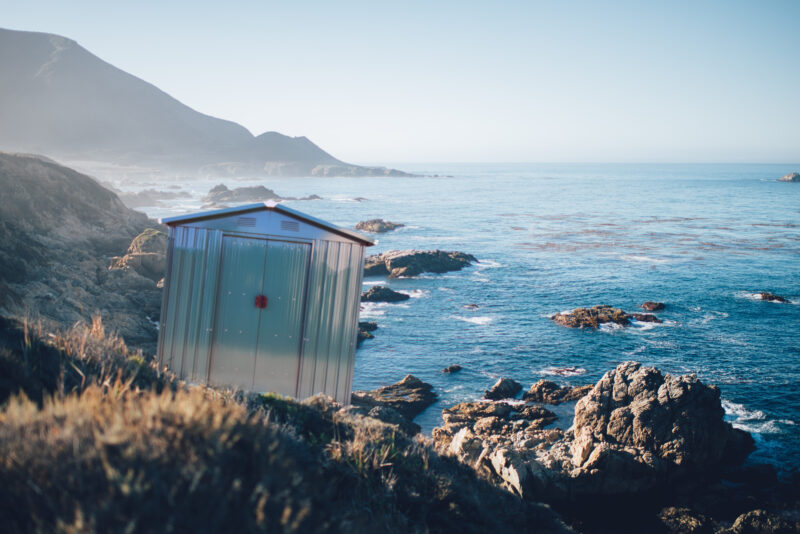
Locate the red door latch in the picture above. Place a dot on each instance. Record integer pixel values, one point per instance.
(261, 301)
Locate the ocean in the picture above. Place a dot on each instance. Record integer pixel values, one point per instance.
(703, 239)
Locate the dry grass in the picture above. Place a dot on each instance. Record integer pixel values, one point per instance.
(97, 440)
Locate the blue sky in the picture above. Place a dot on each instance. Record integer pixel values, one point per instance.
(380, 82)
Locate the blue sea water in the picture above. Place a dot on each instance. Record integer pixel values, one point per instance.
(551, 237)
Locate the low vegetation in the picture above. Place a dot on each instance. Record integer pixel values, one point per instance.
(96, 438)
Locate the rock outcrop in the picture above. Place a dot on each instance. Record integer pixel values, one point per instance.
(772, 297)
(547, 392)
(791, 177)
(147, 255)
(383, 294)
(602, 314)
(635, 429)
(451, 369)
(59, 230)
(653, 306)
(398, 263)
(377, 226)
(409, 397)
(504, 388)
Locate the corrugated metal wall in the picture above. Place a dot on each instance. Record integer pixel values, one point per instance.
(329, 339)
(331, 311)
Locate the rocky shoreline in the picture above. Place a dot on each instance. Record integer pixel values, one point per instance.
(647, 451)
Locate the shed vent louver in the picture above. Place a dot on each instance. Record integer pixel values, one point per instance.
(246, 221)
(290, 226)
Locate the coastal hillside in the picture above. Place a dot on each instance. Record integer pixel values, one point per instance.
(59, 233)
(95, 439)
(59, 99)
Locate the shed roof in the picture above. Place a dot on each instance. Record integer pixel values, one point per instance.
(268, 205)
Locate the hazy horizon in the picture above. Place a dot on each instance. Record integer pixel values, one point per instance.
(473, 83)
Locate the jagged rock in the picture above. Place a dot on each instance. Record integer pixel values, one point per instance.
(539, 415)
(548, 392)
(393, 417)
(378, 226)
(409, 397)
(365, 329)
(653, 306)
(382, 294)
(791, 177)
(684, 521)
(398, 263)
(504, 388)
(452, 368)
(772, 297)
(597, 315)
(761, 522)
(147, 255)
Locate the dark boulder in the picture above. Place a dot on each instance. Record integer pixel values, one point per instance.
(772, 297)
(452, 368)
(382, 294)
(504, 388)
(684, 521)
(653, 306)
(365, 329)
(409, 397)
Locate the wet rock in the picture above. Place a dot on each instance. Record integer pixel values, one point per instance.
(377, 226)
(383, 294)
(504, 388)
(653, 306)
(761, 522)
(409, 397)
(470, 306)
(644, 317)
(602, 314)
(398, 263)
(791, 177)
(147, 255)
(452, 368)
(591, 317)
(772, 297)
(685, 521)
(548, 392)
(365, 330)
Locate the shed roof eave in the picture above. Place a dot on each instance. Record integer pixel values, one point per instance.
(268, 205)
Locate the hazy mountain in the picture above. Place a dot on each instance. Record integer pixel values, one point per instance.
(57, 98)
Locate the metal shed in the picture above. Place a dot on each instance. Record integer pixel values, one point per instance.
(264, 298)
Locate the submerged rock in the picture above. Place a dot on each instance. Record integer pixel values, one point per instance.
(772, 297)
(653, 306)
(504, 388)
(409, 397)
(548, 392)
(791, 177)
(377, 226)
(452, 368)
(398, 263)
(382, 294)
(602, 314)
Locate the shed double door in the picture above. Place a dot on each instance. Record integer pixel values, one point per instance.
(256, 346)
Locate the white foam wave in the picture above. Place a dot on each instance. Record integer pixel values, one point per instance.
(611, 327)
(373, 282)
(643, 259)
(754, 421)
(416, 293)
(563, 371)
(480, 320)
(488, 264)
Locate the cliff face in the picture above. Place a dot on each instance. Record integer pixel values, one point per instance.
(58, 231)
(59, 99)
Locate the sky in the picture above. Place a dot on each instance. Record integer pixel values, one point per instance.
(379, 82)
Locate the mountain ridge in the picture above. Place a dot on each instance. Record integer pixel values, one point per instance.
(60, 99)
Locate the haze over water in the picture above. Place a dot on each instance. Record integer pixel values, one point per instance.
(551, 237)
